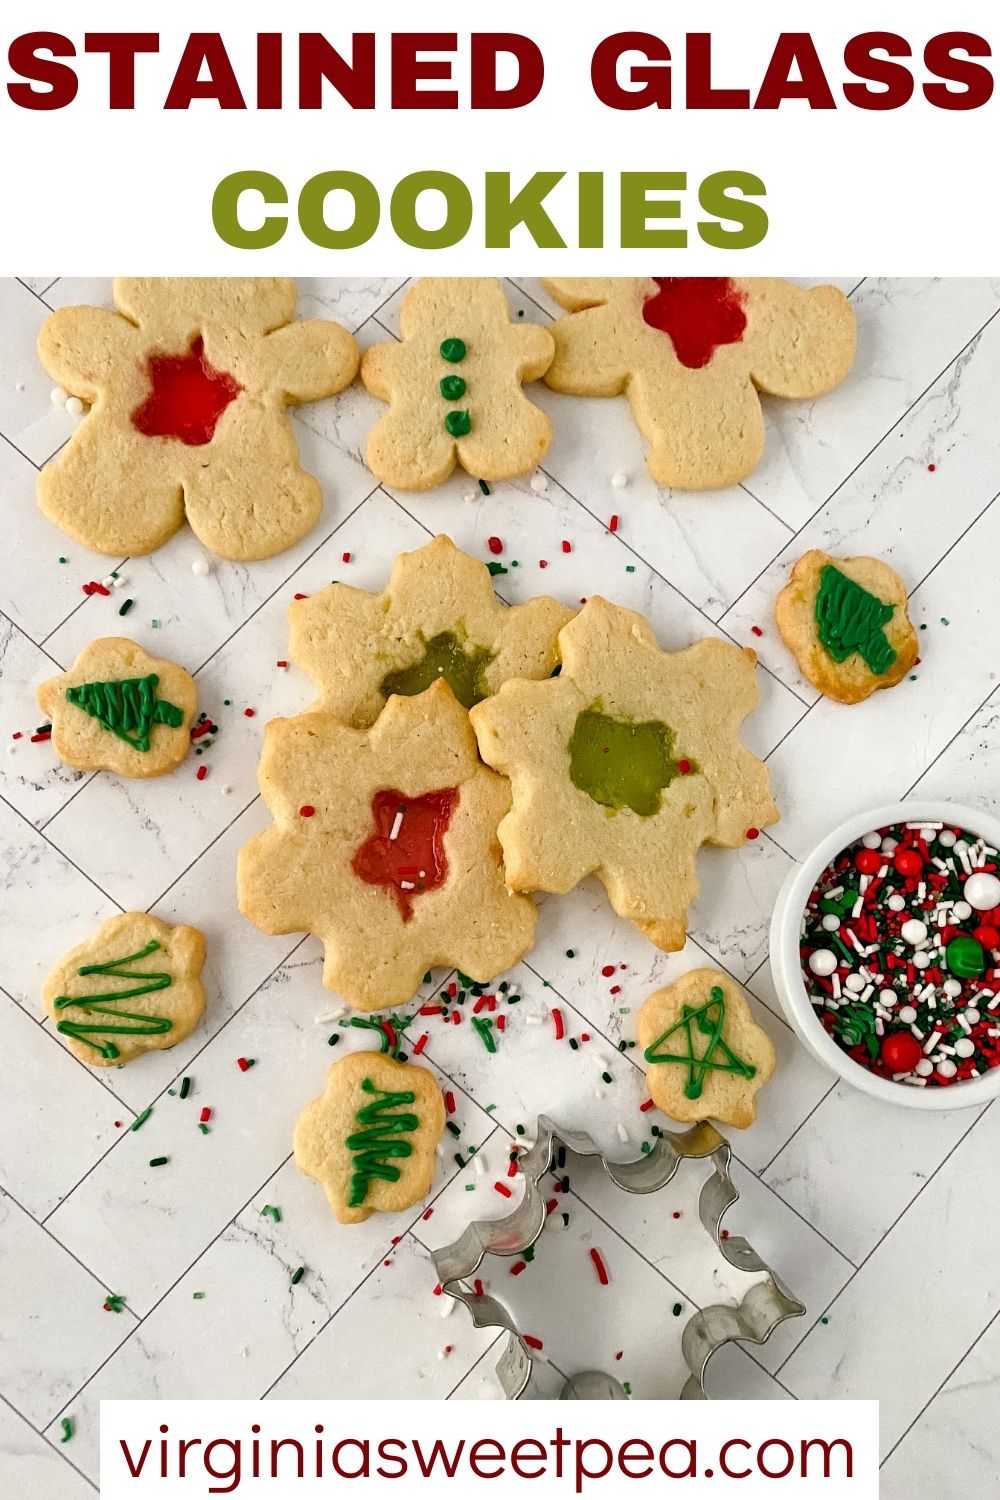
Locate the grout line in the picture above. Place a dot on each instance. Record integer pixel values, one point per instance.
(488, 1350)
(84, 781)
(62, 854)
(5, 1401)
(857, 287)
(764, 506)
(98, 1281)
(210, 845)
(981, 1335)
(769, 1164)
(14, 625)
(95, 1075)
(946, 747)
(87, 599)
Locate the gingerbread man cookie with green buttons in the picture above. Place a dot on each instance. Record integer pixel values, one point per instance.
(454, 387)
(691, 354)
(371, 1137)
(438, 618)
(625, 764)
(189, 381)
(845, 621)
(119, 709)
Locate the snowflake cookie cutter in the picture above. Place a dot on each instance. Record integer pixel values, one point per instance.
(764, 1305)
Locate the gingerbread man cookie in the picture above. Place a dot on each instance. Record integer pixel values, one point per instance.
(189, 381)
(454, 387)
(438, 618)
(385, 846)
(371, 1137)
(705, 1055)
(117, 709)
(625, 764)
(845, 621)
(691, 354)
(133, 987)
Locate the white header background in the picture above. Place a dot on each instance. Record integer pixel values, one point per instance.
(908, 191)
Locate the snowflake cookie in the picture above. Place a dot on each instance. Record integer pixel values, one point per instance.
(189, 381)
(371, 1137)
(705, 1055)
(438, 618)
(132, 987)
(385, 846)
(691, 353)
(845, 621)
(117, 709)
(625, 764)
(454, 387)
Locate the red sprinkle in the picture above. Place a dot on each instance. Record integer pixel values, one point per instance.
(600, 1267)
(248, 713)
(684, 766)
(567, 547)
(542, 563)
(753, 833)
(613, 524)
(502, 1189)
(96, 588)
(300, 596)
(420, 1045)
(201, 773)
(17, 735)
(281, 664)
(204, 728)
(477, 1287)
(306, 810)
(437, 1290)
(427, 1213)
(243, 1064)
(393, 1040)
(346, 557)
(647, 1105)
(608, 970)
(495, 545)
(931, 468)
(449, 1102)
(557, 1021)
(501, 1023)
(45, 735)
(205, 1115)
(531, 1341)
(756, 630)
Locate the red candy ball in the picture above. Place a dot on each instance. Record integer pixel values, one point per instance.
(908, 862)
(868, 861)
(988, 936)
(900, 1051)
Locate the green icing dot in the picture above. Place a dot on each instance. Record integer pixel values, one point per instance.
(458, 423)
(453, 387)
(620, 764)
(444, 656)
(965, 957)
(453, 350)
(849, 619)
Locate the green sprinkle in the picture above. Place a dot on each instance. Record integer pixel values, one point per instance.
(484, 1030)
(630, 567)
(62, 559)
(514, 563)
(272, 1212)
(44, 729)
(484, 487)
(607, 1078)
(824, 1321)
(428, 977)
(678, 1308)
(114, 1302)
(297, 1277)
(125, 606)
(154, 624)
(645, 1148)
(570, 952)
(945, 621)
(627, 1387)
(464, 979)
(529, 1254)
(913, 676)
(459, 1158)
(520, 1129)
(574, 1044)
(490, 1108)
(172, 1093)
(923, 627)
(332, 1040)
(140, 1120)
(227, 702)
(203, 1127)
(520, 312)
(456, 1130)
(496, 569)
(198, 1296)
(470, 1187)
(158, 1161)
(185, 1087)
(67, 1423)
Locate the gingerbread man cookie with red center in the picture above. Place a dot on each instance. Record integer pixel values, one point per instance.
(189, 382)
(454, 387)
(691, 354)
(384, 845)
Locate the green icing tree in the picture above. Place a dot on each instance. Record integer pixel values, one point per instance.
(850, 619)
(128, 707)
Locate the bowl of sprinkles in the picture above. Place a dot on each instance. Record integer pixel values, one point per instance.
(885, 950)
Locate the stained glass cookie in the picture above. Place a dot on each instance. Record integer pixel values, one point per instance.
(371, 1137)
(119, 709)
(845, 621)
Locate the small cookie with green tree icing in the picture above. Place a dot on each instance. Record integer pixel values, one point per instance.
(454, 387)
(119, 709)
(844, 619)
(371, 1137)
(438, 617)
(705, 1055)
(132, 987)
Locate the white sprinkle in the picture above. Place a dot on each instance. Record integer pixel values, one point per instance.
(11, 749)
(598, 1093)
(329, 1015)
(864, 883)
(964, 1022)
(932, 1041)
(226, 790)
(58, 396)
(407, 885)
(106, 583)
(479, 1165)
(118, 583)
(623, 1134)
(201, 567)
(74, 406)
(447, 1306)
(539, 483)
(532, 1020)
(397, 824)
(835, 982)
(856, 911)
(619, 481)
(924, 825)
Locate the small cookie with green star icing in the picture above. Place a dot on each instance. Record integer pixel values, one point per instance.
(844, 619)
(119, 709)
(438, 618)
(132, 987)
(371, 1137)
(625, 764)
(705, 1055)
(454, 387)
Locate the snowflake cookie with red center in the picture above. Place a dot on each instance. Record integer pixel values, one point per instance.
(691, 354)
(845, 621)
(625, 764)
(437, 619)
(454, 387)
(119, 709)
(189, 383)
(385, 846)
(371, 1137)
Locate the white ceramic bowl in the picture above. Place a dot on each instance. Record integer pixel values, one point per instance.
(787, 971)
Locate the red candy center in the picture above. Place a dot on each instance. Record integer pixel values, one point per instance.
(406, 851)
(187, 397)
(699, 313)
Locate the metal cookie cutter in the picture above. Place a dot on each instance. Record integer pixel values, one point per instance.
(765, 1304)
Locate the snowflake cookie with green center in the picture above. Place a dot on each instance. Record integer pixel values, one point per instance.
(691, 354)
(371, 1137)
(119, 709)
(385, 846)
(705, 1055)
(132, 987)
(625, 764)
(454, 387)
(437, 618)
(189, 382)
(845, 621)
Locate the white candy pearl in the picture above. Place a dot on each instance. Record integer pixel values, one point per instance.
(913, 932)
(200, 567)
(74, 406)
(854, 983)
(887, 997)
(924, 1068)
(982, 891)
(972, 1015)
(961, 910)
(619, 481)
(889, 846)
(831, 922)
(965, 1047)
(921, 960)
(58, 396)
(947, 1068)
(822, 962)
(907, 1015)
(872, 841)
(952, 988)
(947, 838)
(539, 484)
(896, 903)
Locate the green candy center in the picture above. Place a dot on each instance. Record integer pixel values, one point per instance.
(620, 764)
(849, 619)
(463, 669)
